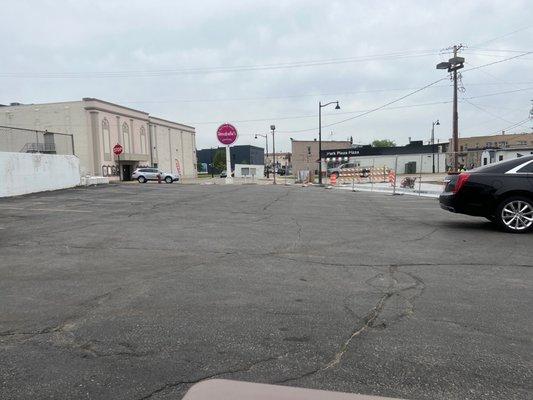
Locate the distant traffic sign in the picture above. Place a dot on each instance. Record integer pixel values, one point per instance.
(226, 134)
(118, 149)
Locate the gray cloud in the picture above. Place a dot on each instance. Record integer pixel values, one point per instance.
(109, 36)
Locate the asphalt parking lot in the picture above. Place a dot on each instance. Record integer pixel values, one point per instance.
(138, 291)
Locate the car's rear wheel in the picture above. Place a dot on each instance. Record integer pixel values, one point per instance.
(141, 179)
(168, 179)
(515, 214)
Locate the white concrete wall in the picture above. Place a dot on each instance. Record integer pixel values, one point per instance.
(24, 173)
(389, 162)
(65, 117)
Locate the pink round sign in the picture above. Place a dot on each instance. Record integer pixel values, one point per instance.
(226, 134)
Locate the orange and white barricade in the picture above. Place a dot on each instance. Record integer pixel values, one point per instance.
(378, 175)
(392, 177)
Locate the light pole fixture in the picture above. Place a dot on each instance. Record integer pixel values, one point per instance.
(273, 129)
(320, 106)
(433, 141)
(453, 65)
(266, 139)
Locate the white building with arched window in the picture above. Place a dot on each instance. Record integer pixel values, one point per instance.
(97, 126)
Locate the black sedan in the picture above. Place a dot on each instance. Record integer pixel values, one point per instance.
(501, 192)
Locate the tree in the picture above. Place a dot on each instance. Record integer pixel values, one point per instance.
(219, 159)
(383, 143)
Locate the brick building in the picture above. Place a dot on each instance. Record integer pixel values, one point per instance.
(305, 154)
(471, 148)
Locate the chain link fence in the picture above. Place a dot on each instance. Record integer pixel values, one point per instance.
(377, 177)
(20, 140)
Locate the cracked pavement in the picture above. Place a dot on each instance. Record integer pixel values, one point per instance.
(140, 291)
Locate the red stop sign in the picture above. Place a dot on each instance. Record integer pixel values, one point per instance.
(118, 149)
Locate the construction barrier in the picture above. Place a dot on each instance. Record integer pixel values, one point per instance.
(392, 177)
(361, 175)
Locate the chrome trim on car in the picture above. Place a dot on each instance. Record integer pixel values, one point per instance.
(516, 169)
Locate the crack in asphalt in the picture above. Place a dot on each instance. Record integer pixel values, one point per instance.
(237, 369)
(372, 316)
(68, 323)
(278, 198)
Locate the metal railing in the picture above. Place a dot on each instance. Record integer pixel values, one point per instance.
(21, 140)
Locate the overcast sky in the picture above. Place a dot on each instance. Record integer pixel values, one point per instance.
(257, 63)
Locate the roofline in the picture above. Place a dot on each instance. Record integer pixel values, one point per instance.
(323, 141)
(113, 104)
(151, 117)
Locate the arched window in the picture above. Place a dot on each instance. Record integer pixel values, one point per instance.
(143, 140)
(106, 140)
(126, 137)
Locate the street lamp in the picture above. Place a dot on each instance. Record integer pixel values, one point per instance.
(320, 106)
(266, 139)
(433, 141)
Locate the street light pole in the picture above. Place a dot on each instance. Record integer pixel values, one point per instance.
(273, 129)
(320, 106)
(453, 65)
(266, 139)
(433, 141)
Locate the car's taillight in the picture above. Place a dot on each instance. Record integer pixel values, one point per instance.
(461, 180)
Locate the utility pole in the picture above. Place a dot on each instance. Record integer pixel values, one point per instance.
(455, 119)
(452, 65)
(273, 129)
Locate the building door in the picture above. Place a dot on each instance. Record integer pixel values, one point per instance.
(126, 172)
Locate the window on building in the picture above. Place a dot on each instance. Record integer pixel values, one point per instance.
(126, 137)
(106, 140)
(309, 150)
(142, 135)
(500, 158)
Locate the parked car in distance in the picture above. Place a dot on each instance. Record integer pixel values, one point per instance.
(337, 170)
(501, 192)
(144, 175)
(224, 174)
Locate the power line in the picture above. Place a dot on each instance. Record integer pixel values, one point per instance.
(515, 125)
(486, 111)
(261, 98)
(374, 109)
(409, 94)
(499, 61)
(502, 36)
(220, 69)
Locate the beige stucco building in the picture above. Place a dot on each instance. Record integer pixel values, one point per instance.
(98, 125)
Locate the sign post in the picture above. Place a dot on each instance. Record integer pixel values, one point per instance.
(227, 135)
(117, 150)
